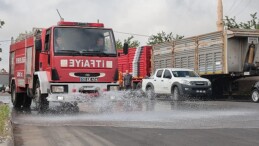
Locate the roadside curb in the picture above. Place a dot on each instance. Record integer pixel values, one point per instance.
(9, 141)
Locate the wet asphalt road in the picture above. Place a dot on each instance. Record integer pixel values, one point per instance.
(138, 121)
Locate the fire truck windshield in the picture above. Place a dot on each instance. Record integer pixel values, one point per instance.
(83, 41)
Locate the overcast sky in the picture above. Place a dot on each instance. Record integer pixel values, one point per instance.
(144, 17)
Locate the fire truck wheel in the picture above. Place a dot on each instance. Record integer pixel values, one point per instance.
(41, 101)
(17, 98)
(26, 101)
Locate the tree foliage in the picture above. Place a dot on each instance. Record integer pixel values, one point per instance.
(1, 23)
(119, 44)
(132, 43)
(251, 24)
(163, 37)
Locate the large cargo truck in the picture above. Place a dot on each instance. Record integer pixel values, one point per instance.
(137, 62)
(62, 63)
(229, 59)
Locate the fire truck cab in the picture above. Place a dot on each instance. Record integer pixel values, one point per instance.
(62, 63)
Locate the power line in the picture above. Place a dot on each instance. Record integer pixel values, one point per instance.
(229, 10)
(5, 40)
(234, 5)
(132, 34)
(248, 2)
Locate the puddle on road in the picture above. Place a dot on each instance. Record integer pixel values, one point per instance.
(137, 111)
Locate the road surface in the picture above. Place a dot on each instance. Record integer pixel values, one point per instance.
(141, 122)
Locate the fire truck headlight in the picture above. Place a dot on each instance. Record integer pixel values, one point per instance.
(57, 89)
(113, 88)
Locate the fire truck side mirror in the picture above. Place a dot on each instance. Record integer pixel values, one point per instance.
(125, 48)
(38, 45)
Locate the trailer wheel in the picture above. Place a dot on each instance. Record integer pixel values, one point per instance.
(176, 93)
(255, 95)
(150, 93)
(40, 100)
(16, 98)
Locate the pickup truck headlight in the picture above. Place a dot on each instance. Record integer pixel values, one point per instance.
(185, 82)
(209, 83)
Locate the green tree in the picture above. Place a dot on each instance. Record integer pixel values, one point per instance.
(119, 44)
(1, 23)
(132, 43)
(163, 37)
(251, 24)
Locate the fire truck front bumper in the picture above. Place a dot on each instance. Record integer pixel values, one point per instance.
(76, 97)
(78, 92)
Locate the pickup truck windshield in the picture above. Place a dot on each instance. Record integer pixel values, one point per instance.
(184, 74)
(83, 41)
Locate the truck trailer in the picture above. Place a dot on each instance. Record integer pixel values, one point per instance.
(138, 62)
(43, 71)
(228, 58)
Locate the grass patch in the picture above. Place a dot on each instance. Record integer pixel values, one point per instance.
(4, 114)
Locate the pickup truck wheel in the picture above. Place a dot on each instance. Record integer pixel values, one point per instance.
(150, 93)
(17, 99)
(255, 95)
(40, 100)
(176, 94)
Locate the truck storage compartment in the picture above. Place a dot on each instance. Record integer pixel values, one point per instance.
(162, 56)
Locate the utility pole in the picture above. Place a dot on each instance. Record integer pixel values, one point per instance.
(220, 16)
(0, 52)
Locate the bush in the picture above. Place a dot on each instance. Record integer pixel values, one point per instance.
(4, 114)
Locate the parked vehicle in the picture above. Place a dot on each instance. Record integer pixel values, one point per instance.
(177, 83)
(224, 57)
(2, 88)
(7, 89)
(137, 62)
(43, 70)
(255, 92)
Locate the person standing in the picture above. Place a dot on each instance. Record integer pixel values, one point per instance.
(127, 80)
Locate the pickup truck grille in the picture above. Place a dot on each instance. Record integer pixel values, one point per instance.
(199, 83)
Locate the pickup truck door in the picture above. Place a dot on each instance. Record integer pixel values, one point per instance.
(158, 82)
(167, 82)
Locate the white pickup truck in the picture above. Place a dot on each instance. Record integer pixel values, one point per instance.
(176, 82)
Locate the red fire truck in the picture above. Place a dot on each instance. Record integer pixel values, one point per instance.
(137, 62)
(62, 62)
